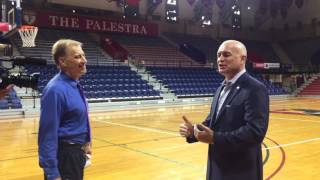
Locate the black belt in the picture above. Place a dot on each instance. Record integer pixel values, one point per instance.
(70, 144)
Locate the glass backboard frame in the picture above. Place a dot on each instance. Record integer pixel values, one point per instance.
(13, 17)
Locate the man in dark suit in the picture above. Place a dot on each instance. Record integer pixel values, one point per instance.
(238, 120)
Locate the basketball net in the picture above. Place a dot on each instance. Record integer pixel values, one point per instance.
(28, 35)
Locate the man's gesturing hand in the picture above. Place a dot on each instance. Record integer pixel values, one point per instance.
(203, 133)
(186, 128)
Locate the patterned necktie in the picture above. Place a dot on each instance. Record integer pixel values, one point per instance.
(223, 95)
(86, 106)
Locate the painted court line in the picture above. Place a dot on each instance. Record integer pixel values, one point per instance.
(287, 119)
(294, 143)
(140, 128)
(176, 134)
(172, 148)
(290, 119)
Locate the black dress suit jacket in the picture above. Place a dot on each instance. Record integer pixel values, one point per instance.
(239, 130)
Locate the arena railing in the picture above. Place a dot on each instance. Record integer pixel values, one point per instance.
(169, 63)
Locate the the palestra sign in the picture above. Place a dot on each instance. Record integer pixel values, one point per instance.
(88, 23)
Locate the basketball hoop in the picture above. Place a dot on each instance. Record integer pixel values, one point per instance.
(28, 35)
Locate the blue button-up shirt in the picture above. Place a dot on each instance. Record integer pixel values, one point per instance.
(63, 117)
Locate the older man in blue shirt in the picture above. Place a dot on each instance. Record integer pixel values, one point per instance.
(64, 130)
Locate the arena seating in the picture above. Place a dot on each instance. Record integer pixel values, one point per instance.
(272, 89)
(186, 82)
(118, 82)
(189, 82)
(312, 89)
(105, 83)
(205, 44)
(209, 46)
(131, 40)
(152, 50)
(112, 81)
(46, 38)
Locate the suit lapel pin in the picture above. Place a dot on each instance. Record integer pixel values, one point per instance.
(238, 87)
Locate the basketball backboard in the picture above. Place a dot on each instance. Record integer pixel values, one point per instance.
(11, 14)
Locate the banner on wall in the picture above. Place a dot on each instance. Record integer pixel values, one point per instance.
(88, 23)
(266, 65)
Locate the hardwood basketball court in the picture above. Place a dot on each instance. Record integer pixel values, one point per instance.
(144, 144)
